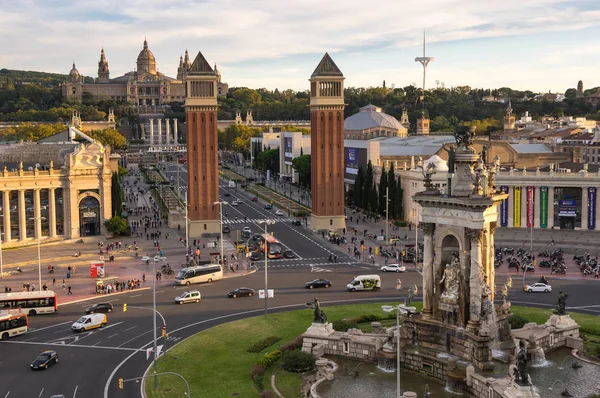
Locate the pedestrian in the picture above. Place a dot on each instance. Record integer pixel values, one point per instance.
(63, 284)
(53, 281)
(70, 292)
(32, 287)
(144, 278)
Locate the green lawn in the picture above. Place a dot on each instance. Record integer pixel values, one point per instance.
(216, 364)
(287, 383)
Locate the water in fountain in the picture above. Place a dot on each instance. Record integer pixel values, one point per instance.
(538, 358)
(453, 388)
(386, 364)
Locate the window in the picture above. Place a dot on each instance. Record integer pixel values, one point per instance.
(346, 347)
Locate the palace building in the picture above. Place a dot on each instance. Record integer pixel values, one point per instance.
(144, 86)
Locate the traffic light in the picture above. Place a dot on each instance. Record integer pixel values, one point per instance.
(124, 307)
(120, 384)
(164, 330)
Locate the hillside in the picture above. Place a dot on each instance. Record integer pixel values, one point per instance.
(42, 79)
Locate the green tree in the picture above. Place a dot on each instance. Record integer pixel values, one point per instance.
(368, 188)
(268, 160)
(303, 166)
(117, 225)
(359, 187)
(116, 195)
(381, 191)
(398, 200)
(111, 137)
(392, 187)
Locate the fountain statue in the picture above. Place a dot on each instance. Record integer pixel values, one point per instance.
(412, 292)
(320, 316)
(562, 304)
(521, 374)
(451, 281)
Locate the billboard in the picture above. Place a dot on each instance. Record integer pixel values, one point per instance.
(288, 153)
(504, 208)
(543, 207)
(353, 159)
(567, 208)
(517, 207)
(530, 211)
(592, 208)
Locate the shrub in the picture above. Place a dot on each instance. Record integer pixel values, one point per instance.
(294, 345)
(342, 325)
(298, 361)
(368, 318)
(267, 394)
(258, 382)
(269, 359)
(258, 371)
(517, 321)
(264, 343)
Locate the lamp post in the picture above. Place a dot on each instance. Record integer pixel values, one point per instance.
(187, 231)
(38, 233)
(387, 206)
(400, 309)
(1, 233)
(266, 222)
(221, 203)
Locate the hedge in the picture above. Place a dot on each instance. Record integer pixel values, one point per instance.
(264, 343)
(269, 359)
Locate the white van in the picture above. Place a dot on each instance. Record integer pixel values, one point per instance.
(188, 297)
(87, 322)
(365, 282)
(231, 184)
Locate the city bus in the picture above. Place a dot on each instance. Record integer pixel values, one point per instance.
(12, 323)
(199, 274)
(274, 247)
(32, 303)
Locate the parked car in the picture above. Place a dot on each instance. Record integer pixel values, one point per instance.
(268, 206)
(226, 194)
(288, 254)
(226, 229)
(241, 292)
(538, 287)
(318, 283)
(44, 360)
(279, 213)
(254, 199)
(188, 297)
(393, 268)
(99, 307)
(297, 222)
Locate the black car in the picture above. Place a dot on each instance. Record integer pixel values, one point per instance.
(241, 292)
(100, 307)
(226, 194)
(254, 256)
(256, 237)
(288, 254)
(297, 222)
(44, 360)
(318, 283)
(226, 229)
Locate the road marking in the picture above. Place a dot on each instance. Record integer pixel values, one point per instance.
(41, 392)
(62, 330)
(7, 394)
(582, 307)
(317, 269)
(111, 336)
(133, 327)
(48, 327)
(93, 345)
(149, 331)
(75, 392)
(159, 291)
(137, 295)
(74, 345)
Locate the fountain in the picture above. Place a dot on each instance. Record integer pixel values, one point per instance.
(565, 392)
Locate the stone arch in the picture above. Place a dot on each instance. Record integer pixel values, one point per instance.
(89, 210)
(446, 252)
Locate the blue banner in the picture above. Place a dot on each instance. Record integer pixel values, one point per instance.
(504, 208)
(592, 208)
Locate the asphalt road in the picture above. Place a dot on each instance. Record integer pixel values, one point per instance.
(92, 362)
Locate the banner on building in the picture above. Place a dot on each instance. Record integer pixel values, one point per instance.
(530, 191)
(517, 207)
(544, 207)
(592, 208)
(504, 208)
(567, 208)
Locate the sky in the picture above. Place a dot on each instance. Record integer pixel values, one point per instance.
(540, 45)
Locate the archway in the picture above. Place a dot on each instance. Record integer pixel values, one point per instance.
(450, 246)
(89, 216)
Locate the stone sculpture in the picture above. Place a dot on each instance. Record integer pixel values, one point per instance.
(412, 292)
(450, 280)
(521, 374)
(465, 138)
(320, 316)
(562, 304)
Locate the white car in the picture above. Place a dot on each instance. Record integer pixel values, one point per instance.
(279, 213)
(158, 258)
(188, 297)
(247, 229)
(538, 287)
(393, 268)
(235, 203)
(145, 258)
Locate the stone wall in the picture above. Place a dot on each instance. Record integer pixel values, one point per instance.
(558, 331)
(351, 344)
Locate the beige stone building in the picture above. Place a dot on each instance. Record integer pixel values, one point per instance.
(371, 122)
(144, 87)
(58, 188)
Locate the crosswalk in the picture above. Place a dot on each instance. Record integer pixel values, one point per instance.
(257, 220)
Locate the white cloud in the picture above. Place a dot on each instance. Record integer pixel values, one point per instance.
(248, 38)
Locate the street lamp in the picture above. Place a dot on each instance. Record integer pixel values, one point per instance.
(187, 232)
(221, 214)
(387, 208)
(38, 232)
(266, 222)
(400, 309)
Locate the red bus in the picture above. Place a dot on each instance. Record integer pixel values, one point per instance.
(12, 323)
(274, 247)
(32, 303)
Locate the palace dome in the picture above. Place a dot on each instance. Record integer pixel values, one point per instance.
(74, 75)
(369, 117)
(146, 61)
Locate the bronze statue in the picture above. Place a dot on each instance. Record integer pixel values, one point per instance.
(521, 374)
(562, 304)
(451, 155)
(320, 316)
(465, 137)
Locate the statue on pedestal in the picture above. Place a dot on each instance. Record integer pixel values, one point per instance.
(562, 304)
(521, 374)
(450, 280)
(320, 316)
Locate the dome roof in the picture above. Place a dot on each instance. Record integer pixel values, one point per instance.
(371, 116)
(146, 61)
(440, 164)
(74, 74)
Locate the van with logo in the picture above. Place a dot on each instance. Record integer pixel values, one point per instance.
(365, 282)
(88, 322)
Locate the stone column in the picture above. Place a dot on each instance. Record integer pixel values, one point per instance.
(524, 206)
(511, 208)
(168, 125)
(37, 214)
(159, 131)
(143, 132)
(428, 278)
(537, 201)
(475, 236)
(550, 207)
(22, 216)
(52, 213)
(151, 132)
(491, 272)
(175, 132)
(6, 215)
(584, 208)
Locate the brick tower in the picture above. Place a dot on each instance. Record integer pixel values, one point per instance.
(327, 146)
(202, 149)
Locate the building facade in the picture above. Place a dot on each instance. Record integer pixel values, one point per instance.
(371, 122)
(56, 189)
(144, 87)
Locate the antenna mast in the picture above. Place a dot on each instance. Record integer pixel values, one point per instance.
(424, 60)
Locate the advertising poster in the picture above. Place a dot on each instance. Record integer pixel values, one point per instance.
(543, 207)
(353, 159)
(530, 191)
(517, 207)
(592, 208)
(504, 208)
(567, 208)
(288, 154)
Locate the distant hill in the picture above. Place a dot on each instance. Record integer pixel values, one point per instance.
(42, 79)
